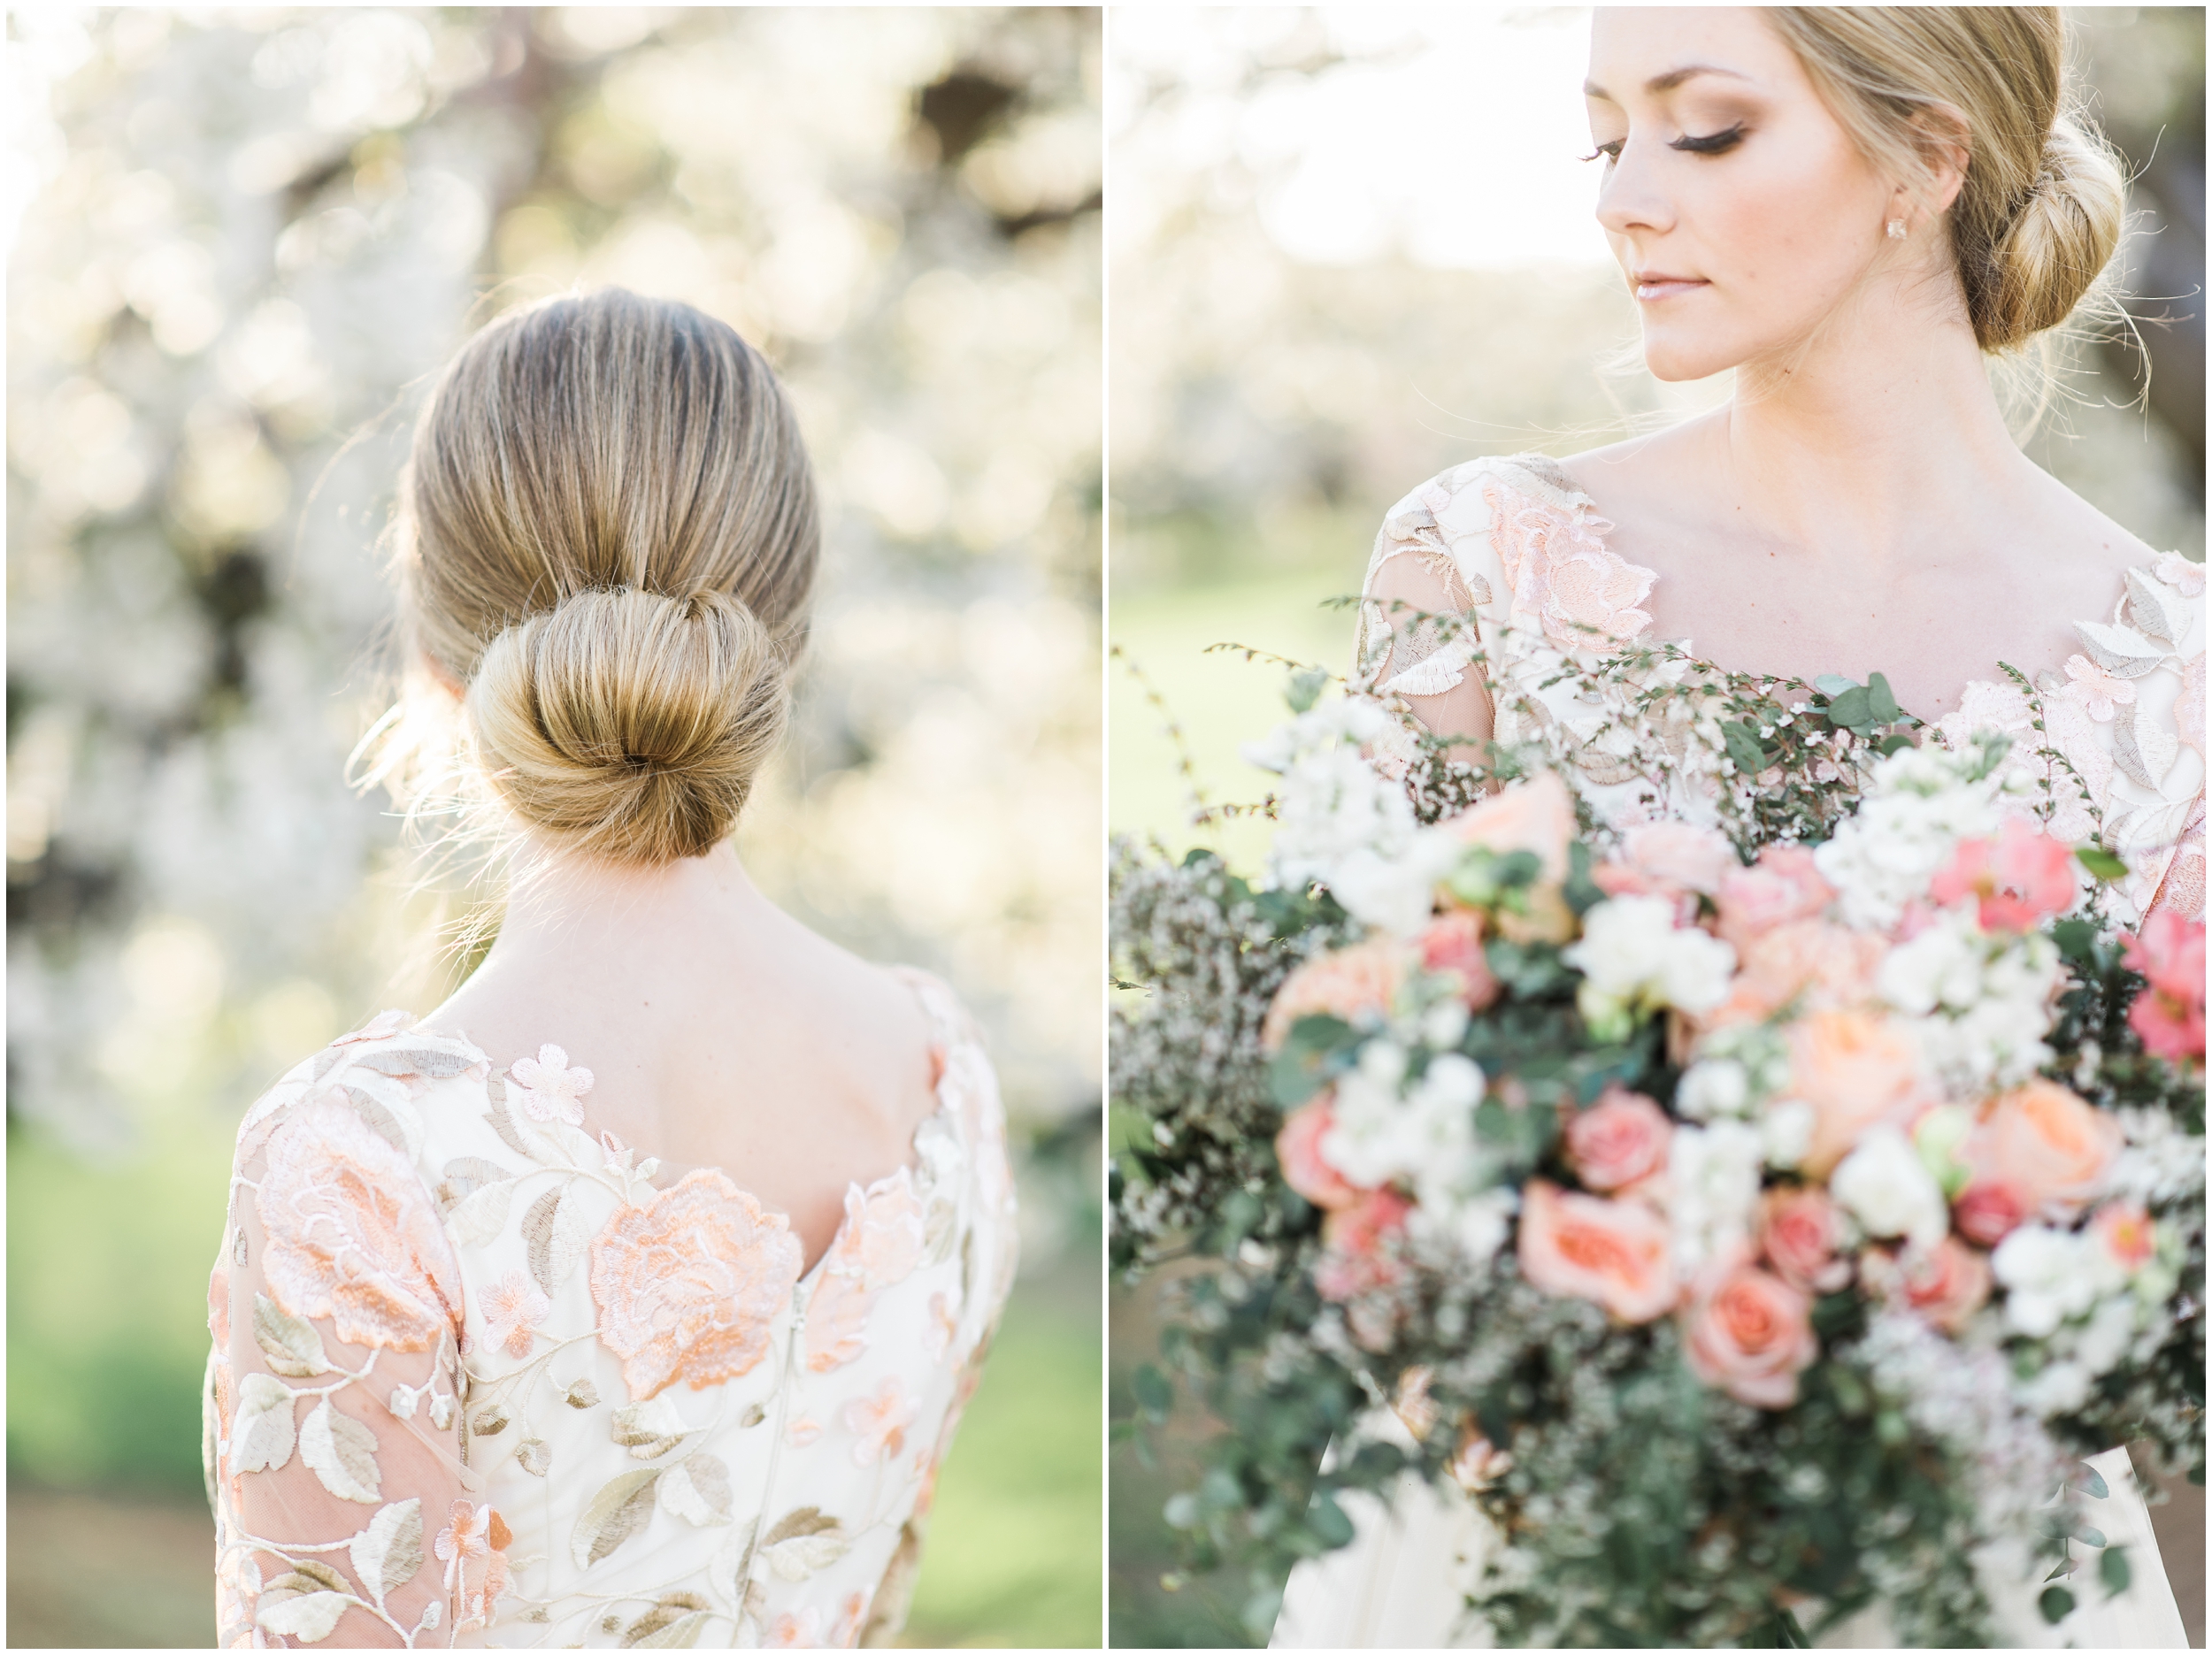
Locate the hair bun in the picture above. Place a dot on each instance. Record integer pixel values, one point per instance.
(628, 724)
(2061, 236)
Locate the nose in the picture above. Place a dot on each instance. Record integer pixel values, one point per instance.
(1634, 196)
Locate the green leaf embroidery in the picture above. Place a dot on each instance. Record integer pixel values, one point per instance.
(431, 1065)
(305, 1604)
(290, 1343)
(341, 1452)
(616, 1513)
(479, 1216)
(261, 1430)
(648, 1429)
(388, 1553)
(533, 1456)
(583, 1394)
(804, 1543)
(673, 1623)
(555, 1231)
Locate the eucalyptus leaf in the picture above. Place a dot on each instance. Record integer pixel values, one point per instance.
(2113, 1569)
(1881, 705)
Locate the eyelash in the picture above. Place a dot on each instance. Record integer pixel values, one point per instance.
(1711, 143)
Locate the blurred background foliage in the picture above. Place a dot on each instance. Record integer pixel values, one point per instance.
(242, 244)
(1348, 248)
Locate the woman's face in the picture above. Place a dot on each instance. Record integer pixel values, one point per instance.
(1740, 212)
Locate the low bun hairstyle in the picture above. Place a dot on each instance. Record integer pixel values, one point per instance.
(2040, 214)
(607, 544)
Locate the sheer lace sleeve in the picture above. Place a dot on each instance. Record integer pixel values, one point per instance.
(1428, 663)
(334, 1461)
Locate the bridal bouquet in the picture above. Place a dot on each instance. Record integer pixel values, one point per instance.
(1738, 1235)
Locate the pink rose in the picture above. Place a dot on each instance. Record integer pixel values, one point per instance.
(1797, 1232)
(1583, 1247)
(1452, 942)
(1946, 1284)
(1829, 965)
(1353, 984)
(2019, 877)
(1298, 1147)
(1782, 886)
(1357, 1261)
(2047, 1144)
(2168, 1015)
(1618, 1139)
(1691, 858)
(1987, 1211)
(1854, 1070)
(2125, 1230)
(1751, 1336)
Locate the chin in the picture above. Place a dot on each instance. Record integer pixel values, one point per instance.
(1674, 361)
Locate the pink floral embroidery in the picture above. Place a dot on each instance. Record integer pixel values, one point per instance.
(879, 1421)
(2096, 689)
(944, 1322)
(879, 1242)
(353, 1236)
(512, 1310)
(846, 1633)
(801, 1631)
(2179, 572)
(471, 1537)
(1561, 572)
(688, 1284)
(2189, 705)
(551, 1090)
(383, 1026)
(803, 1430)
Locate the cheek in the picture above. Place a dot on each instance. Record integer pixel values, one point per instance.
(1790, 244)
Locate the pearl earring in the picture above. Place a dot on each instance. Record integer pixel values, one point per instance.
(1896, 228)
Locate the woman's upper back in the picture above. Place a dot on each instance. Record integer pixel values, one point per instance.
(1514, 542)
(684, 1427)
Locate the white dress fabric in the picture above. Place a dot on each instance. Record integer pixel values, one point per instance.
(1515, 544)
(480, 1378)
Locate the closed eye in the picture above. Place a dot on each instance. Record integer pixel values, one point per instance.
(1610, 151)
(1713, 143)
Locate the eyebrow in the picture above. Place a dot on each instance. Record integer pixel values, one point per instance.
(1662, 83)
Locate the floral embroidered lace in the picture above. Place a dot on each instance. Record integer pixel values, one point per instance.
(1515, 547)
(477, 1380)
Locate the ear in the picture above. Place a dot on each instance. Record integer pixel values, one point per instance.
(1946, 146)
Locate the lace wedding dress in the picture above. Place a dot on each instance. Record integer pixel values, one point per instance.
(482, 1378)
(1513, 544)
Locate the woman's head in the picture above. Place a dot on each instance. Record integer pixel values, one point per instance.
(1768, 159)
(608, 546)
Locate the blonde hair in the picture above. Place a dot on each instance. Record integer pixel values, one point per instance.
(607, 541)
(2040, 214)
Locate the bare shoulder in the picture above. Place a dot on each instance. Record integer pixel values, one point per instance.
(2076, 530)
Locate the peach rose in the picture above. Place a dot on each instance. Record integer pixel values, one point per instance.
(1452, 942)
(1988, 1210)
(1829, 965)
(1584, 1246)
(1537, 814)
(1356, 1260)
(1946, 1284)
(1298, 1147)
(1782, 886)
(2047, 1144)
(1853, 1070)
(1618, 1139)
(1797, 1232)
(1476, 1464)
(2018, 878)
(1620, 879)
(1353, 982)
(1751, 1336)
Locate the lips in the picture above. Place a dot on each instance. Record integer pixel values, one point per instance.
(1654, 285)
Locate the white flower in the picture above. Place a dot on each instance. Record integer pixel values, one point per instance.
(1884, 1185)
(1444, 1023)
(1786, 1131)
(1713, 1189)
(2057, 1388)
(1424, 1136)
(1476, 1225)
(1632, 953)
(2049, 1275)
(2105, 1339)
(1714, 1086)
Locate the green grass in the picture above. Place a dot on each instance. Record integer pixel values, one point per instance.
(1013, 1554)
(1221, 701)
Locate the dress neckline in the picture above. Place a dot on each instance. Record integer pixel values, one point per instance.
(1587, 519)
(944, 1038)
